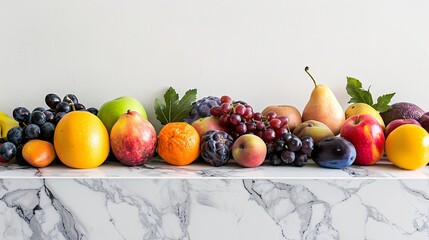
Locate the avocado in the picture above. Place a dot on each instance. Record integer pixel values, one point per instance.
(402, 110)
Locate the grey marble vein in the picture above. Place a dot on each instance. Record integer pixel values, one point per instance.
(27, 203)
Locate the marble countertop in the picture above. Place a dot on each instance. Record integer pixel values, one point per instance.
(156, 168)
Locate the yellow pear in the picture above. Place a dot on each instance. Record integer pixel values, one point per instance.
(324, 107)
(363, 108)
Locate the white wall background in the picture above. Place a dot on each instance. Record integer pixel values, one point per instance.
(251, 50)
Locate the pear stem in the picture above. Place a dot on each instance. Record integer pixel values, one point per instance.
(306, 70)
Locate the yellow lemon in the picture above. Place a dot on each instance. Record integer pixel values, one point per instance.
(407, 147)
(363, 108)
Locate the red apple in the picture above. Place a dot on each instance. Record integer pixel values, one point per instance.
(249, 150)
(203, 125)
(367, 135)
(398, 122)
(424, 121)
(133, 139)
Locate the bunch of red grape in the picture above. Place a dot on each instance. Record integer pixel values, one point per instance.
(240, 119)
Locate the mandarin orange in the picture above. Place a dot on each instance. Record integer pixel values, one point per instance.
(178, 143)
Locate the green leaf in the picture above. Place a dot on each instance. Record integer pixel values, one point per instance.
(382, 104)
(357, 93)
(174, 109)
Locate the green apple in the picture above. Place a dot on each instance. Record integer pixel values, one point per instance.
(110, 111)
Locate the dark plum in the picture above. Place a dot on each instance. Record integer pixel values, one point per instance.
(334, 152)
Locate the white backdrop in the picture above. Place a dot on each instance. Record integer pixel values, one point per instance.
(255, 51)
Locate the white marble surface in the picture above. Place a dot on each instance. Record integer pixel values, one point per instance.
(157, 169)
(198, 201)
(214, 209)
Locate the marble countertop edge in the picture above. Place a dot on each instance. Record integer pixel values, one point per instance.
(158, 169)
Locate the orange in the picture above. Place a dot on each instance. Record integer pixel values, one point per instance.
(178, 143)
(38, 153)
(81, 140)
(407, 147)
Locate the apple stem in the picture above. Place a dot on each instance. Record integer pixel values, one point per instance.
(358, 119)
(128, 111)
(306, 70)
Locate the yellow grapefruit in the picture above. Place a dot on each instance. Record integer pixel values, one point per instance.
(81, 140)
(407, 147)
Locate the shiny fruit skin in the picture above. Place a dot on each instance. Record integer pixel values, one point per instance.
(81, 140)
(249, 150)
(38, 153)
(110, 111)
(133, 139)
(367, 136)
(407, 147)
(334, 152)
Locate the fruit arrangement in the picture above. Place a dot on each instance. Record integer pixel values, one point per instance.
(38, 124)
(217, 129)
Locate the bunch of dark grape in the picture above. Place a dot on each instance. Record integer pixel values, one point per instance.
(201, 108)
(290, 149)
(240, 119)
(39, 123)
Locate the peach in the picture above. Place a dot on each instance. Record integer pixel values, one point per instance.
(203, 125)
(286, 110)
(249, 150)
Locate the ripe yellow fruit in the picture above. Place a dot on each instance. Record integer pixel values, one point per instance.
(81, 140)
(363, 108)
(407, 147)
